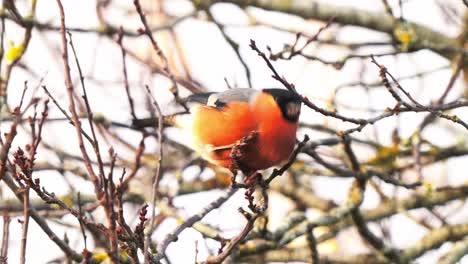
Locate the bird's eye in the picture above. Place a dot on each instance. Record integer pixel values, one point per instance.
(293, 110)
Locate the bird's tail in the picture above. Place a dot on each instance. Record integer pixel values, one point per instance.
(174, 120)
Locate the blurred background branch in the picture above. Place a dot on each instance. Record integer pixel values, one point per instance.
(381, 177)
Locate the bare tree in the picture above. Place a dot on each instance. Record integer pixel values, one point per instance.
(88, 156)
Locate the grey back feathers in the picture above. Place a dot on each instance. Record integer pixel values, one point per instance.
(223, 98)
(198, 98)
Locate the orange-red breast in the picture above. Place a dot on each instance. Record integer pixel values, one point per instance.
(244, 129)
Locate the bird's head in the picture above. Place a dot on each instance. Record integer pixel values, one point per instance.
(289, 103)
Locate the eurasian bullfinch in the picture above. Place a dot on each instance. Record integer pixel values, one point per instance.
(243, 129)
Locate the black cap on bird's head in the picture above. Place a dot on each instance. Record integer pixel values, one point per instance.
(289, 103)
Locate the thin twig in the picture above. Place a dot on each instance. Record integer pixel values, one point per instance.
(43, 224)
(305, 100)
(80, 210)
(124, 70)
(88, 109)
(5, 238)
(157, 174)
(24, 234)
(235, 241)
(74, 115)
(171, 237)
(291, 160)
(234, 46)
(165, 67)
(312, 242)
